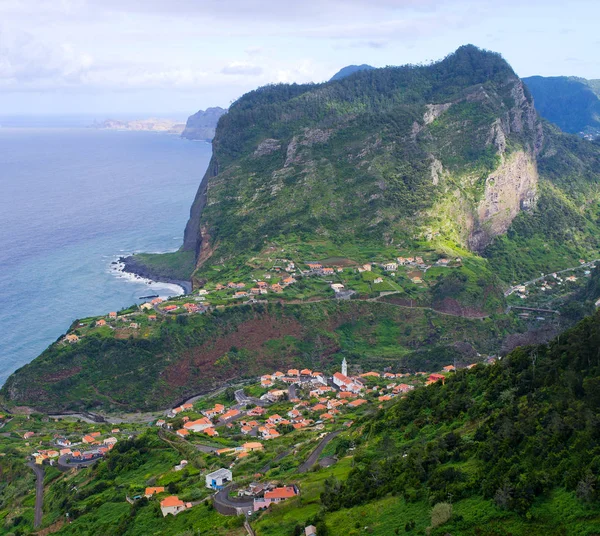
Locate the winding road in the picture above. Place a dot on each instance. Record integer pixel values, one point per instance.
(39, 493)
(223, 503)
(314, 455)
(590, 264)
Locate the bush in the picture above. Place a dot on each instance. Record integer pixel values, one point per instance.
(440, 514)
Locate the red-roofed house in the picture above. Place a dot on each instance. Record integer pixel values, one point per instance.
(198, 425)
(436, 378)
(171, 505)
(275, 496)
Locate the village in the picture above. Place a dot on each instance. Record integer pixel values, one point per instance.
(296, 412)
(278, 280)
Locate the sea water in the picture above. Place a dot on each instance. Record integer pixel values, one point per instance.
(73, 200)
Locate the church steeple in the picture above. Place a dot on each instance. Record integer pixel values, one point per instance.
(344, 367)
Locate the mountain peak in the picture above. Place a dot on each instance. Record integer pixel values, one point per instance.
(350, 70)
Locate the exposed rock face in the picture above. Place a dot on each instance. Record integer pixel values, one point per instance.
(202, 125)
(434, 111)
(309, 138)
(192, 239)
(267, 146)
(508, 190)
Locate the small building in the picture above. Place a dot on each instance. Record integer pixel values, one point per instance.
(198, 425)
(100, 322)
(71, 338)
(218, 479)
(276, 495)
(112, 315)
(436, 378)
(152, 491)
(171, 505)
(311, 530)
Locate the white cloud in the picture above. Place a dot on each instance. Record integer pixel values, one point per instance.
(242, 68)
(25, 61)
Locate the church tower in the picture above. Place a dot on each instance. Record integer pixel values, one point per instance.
(344, 367)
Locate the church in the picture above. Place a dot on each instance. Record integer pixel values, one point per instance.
(345, 383)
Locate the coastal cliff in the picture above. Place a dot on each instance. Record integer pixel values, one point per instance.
(201, 126)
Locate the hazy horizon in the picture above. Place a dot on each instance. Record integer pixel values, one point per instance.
(129, 56)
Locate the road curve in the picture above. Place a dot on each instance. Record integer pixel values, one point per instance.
(39, 493)
(314, 455)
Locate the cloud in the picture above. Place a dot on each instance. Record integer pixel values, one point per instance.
(254, 51)
(242, 68)
(25, 61)
(375, 44)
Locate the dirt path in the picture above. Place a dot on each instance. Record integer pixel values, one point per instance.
(39, 493)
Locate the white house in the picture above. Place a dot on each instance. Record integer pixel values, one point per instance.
(390, 266)
(347, 384)
(171, 505)
(337, 287)
(218, 479)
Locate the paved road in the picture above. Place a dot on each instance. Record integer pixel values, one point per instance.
(590, 264)
(206, 448)
(64, 464)
(244, 400)
(276, 459)
(221, 498)
(314, 456)
(39, 493)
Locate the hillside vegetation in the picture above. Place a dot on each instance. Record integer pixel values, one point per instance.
(506, 449)
(446, 163)
(153, 367)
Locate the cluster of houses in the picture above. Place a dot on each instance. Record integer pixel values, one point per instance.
(268, 493)
(546, 284)
(264, 495)
(97, 448)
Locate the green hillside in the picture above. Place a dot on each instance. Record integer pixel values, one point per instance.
(506, 449)
(447, 164)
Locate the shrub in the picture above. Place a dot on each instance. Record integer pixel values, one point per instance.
(440, 514)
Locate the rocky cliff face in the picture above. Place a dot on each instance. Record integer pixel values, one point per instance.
(509, 189)
(201, 126)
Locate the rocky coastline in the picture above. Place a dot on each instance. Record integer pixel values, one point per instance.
(131, 265)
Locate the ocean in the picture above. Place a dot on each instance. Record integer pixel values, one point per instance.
(73, 201)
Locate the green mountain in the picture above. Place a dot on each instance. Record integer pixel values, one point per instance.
(571, 103)
(348, 70)
(447, 163)
(444, 156)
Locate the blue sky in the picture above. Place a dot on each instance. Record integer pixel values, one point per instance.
(176, 56)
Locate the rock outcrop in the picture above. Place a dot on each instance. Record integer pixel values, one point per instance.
(201, 126)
